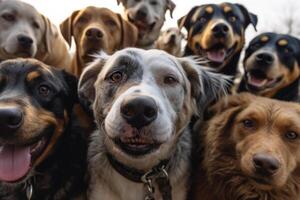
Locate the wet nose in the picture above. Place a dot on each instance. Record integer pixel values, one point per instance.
(141, 13)
(10, 119)
(264, 58)
(265, 164)
(25, 41)
(220, 30)
(94, 33)
(139, 111)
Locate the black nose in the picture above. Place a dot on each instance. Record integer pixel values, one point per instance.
(25, 41)
(94, 33)
(139, 111)
(220, 30)
(141, 13)
(264, 58)
(173, 38)
(10, 119)
(265, 164)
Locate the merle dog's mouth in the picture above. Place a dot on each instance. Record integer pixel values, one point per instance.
(16, 161)
(137, 145)
(258, 80)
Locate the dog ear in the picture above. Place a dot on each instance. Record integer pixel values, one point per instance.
(72, 82)
(122, 1)
(86, 89)
(185, 21)
(66, 28)
(250, 17)
(206, 86)
(129, 33)
(171, 6)
(50, 35)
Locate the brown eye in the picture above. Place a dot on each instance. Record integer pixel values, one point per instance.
(170, 80)
(116, 77)
(291, 135)
(44, 91)
(248, 123)
(232, 19)
(82, 19)
(9, 17)
(111, 23)
(288, 50)
(36, 25)
(202, 19)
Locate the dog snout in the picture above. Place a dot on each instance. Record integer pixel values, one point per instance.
(141, 13)
(220, 30)
(25, 41)
(10, 119)
(265, 164)
(94, 33)
(264, 58)
(139, 111)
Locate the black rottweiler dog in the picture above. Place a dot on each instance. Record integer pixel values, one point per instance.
(217, 33)
(272, 67)
(42, 151)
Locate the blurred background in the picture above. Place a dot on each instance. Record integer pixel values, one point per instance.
(282, 16)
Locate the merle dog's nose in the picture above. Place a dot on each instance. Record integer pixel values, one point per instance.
(139, 111)
(264, 58)
(10, 119)
(265, 164)
(25, 41)
(141, 13)
(94, 33)
(220, 30)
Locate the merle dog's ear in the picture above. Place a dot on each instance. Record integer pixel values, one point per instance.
(249, 17)
(86, 89)
(206, 86)
(185, 21)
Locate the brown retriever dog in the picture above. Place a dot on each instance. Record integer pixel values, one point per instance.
(95, 29)
(251, 151)
(27, 33)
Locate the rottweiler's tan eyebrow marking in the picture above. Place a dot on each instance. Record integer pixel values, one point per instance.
(209, 9)
(283, 42)
(33, 75)
(264, 38)
(227, 9)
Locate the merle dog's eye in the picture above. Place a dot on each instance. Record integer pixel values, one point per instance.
(232, 18)
(248, 123)
(137, 1)
(153, 3)
(291, 135)
(44, 90)
(202, 20)
(170, 80)
(116, 77)
(9, 17)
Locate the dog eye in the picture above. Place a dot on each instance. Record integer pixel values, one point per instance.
(82, 19)
(8, 17)
(111, 23)
(36, 25)
(291, 135)
(202, 20)
(116, 77)
(232, 18)
(248, 123)
(44, 90)
(288, 50)
(170, 80)
(153, 3)
(137, 1)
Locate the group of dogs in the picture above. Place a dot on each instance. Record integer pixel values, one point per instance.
(119, 119)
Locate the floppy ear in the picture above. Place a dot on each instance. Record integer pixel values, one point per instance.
(129, 33)
(66, 27)
(206, 86)
(185, 21)
(86, 89)
(51, 34)
(171, 6)
(250, 17)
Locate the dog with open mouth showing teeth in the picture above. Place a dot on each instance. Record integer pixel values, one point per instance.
(217, 33)
(149, 17)
(42, 151)
(143, 101)
(272, 67)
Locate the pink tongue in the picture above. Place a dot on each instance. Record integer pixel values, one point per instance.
(14, 162)
(217, 55)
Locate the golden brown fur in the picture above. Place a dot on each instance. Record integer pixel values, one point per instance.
(227, 169)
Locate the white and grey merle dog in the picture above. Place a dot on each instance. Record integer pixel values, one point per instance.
(143, 102)
(148, 16)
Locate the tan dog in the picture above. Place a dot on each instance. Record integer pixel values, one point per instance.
(148, 16)
(170, 41)
(27, 33)
(96, 29)
(251, 151)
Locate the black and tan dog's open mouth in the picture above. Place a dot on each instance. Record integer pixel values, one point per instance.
(258, 80)
(137, 145)
(16, 161)
(219, 53)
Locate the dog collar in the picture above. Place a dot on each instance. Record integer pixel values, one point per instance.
(157, 174)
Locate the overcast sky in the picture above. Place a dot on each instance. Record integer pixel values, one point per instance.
(270, 12)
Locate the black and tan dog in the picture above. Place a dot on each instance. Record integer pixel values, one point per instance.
(217, 33)
(272, 67)
(42, 154)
